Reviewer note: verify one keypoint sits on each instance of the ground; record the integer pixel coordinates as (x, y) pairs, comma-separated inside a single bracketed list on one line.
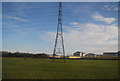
[(20, 68)]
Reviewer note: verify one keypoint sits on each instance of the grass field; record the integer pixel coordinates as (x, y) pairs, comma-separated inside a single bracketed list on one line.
[(19, 68)]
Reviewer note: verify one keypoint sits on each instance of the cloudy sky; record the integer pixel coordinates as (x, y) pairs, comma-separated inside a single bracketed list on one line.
[(87, 26)]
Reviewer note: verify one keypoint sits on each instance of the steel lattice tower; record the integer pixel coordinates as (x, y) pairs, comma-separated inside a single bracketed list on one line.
[(59, 43)]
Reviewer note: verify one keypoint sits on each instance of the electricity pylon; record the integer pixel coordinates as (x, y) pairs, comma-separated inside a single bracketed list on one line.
[(59, 43)]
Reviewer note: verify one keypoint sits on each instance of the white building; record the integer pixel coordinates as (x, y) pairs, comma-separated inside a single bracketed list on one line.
[(78, 53)]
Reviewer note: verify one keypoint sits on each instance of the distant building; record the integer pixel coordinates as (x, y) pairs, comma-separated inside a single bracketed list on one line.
[(99, 55), (57, 56), (110, 53), (90, 54), (78, 53), (118, 53)]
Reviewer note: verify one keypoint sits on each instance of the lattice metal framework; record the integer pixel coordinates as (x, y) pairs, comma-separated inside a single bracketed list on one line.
[(59, 42)]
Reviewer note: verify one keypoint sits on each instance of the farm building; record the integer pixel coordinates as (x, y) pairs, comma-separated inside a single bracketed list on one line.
[(118, 53), (99, 55), (110, 54), (57, 56), (90, 54), (78, 53), (51, 56)]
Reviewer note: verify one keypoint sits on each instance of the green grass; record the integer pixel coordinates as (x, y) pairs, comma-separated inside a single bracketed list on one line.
[(19, 68)]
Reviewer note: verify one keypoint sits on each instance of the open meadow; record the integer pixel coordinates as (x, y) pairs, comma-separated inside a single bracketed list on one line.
[(20, 68)]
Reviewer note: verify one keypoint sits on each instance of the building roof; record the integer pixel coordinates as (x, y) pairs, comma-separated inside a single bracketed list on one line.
[(109, 52), (79, 52)]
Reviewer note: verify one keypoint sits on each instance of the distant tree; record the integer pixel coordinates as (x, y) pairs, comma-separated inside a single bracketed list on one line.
[(23, 55)]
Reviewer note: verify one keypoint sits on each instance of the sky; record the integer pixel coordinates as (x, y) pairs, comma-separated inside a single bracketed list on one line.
[(60, 0), (90, 27), (0, 26)]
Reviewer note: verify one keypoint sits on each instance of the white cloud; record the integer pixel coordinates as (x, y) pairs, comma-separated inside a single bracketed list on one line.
[(16, 18), (74, 23), (89, 37), (116, 8), (110, 8), (99, 17), (106, 7), (14, 26)]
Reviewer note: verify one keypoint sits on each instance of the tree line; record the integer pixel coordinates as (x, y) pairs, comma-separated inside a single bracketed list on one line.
[(23, 55)]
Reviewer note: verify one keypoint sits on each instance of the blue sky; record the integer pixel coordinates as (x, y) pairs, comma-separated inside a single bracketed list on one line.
[(60, 0), (87, 26), (0, 26)]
